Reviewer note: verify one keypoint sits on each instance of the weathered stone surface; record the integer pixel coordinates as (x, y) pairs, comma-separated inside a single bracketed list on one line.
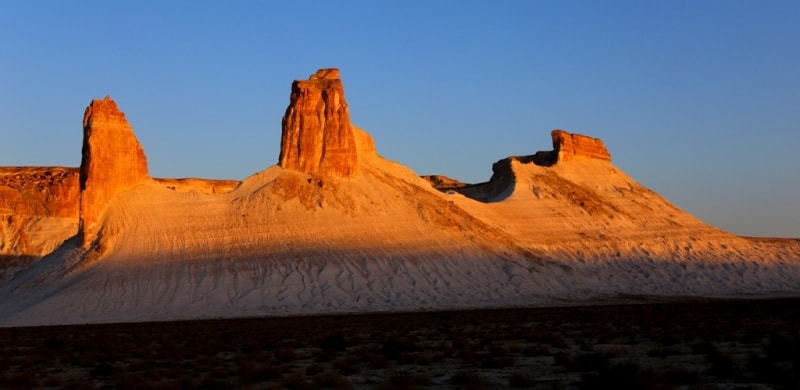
[(570, 146), (566, 147), (38, 209), (113, 162), (207, 186), (317, 136)]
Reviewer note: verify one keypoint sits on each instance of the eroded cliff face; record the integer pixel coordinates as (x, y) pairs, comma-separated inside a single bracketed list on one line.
[(569, 147), (566, 147), (317, 136), (113, 161), (38, 209)]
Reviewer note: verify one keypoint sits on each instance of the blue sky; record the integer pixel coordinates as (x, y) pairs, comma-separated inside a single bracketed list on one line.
[(698, 100)]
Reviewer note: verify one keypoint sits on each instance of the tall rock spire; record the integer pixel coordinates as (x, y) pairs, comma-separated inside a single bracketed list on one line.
[(317, 136), (113, 161)]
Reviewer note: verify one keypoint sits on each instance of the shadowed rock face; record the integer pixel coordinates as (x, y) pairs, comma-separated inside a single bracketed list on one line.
[(317, 136), (113, 161)]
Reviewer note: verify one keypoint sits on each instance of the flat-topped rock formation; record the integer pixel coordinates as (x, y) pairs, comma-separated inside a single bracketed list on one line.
[(113, 161), (569, 147), (566, 147), (317, 136)]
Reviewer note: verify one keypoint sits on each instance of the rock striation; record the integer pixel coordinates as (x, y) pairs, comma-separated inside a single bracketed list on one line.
[(570, 146), (113, 161), (38, 209), (317, 136), (566, 147)]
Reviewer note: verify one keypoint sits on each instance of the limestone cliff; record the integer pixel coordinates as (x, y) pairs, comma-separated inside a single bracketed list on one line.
[(113, 161), (38, 209), (566, 147), (317, 136), (570, 146)]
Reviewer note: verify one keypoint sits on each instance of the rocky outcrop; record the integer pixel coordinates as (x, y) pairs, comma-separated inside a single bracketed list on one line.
[(566, 147), (317, 136), (570, 146), (113, 161), (38, 209), (43, 191), (205, 186)]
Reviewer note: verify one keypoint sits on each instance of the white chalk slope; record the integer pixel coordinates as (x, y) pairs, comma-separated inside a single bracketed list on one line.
[(285, 243)]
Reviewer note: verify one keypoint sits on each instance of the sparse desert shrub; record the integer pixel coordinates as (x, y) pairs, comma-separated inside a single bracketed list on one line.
[(536, 350), (295, 380), (334, 342), (497, 362), (468, 380), (662, 352), (332, 380), (393, 348), (703, 348), (721, 365), (378, 362), (520, 380), (102, 369), (54, 343), (348, 366), (129, 381), (618, 376), (681, 376), (398, 380), (782, 349), (285, 355), (314, 369), (469, 357), (259, 372)]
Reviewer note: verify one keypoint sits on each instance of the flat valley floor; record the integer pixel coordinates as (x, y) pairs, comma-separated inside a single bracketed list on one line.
[(752, 343)]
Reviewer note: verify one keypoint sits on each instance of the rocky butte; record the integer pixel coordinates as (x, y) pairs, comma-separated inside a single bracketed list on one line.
[(113, 161), (316, 133)]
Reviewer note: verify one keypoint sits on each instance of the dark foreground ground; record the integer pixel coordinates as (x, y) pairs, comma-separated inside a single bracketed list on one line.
[(696, 344)]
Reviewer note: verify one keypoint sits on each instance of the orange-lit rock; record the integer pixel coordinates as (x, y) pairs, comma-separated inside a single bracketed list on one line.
[(38, 209), (113, 161), (317, 136), (570, 146)]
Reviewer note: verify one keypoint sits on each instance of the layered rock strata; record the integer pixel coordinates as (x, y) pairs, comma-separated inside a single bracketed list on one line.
[(566, 147), (113, 161), (38, 209), (317, 136), (571, 146)]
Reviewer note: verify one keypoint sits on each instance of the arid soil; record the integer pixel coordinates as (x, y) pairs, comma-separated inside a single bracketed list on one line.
[(729, 343)]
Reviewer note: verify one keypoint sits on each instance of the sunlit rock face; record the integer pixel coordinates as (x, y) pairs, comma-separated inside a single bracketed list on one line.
[(38, 209), (571, 146), (113, 161), (317, 136)]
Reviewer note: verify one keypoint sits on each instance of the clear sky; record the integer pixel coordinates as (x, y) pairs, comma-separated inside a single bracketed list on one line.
[(698, 100)]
